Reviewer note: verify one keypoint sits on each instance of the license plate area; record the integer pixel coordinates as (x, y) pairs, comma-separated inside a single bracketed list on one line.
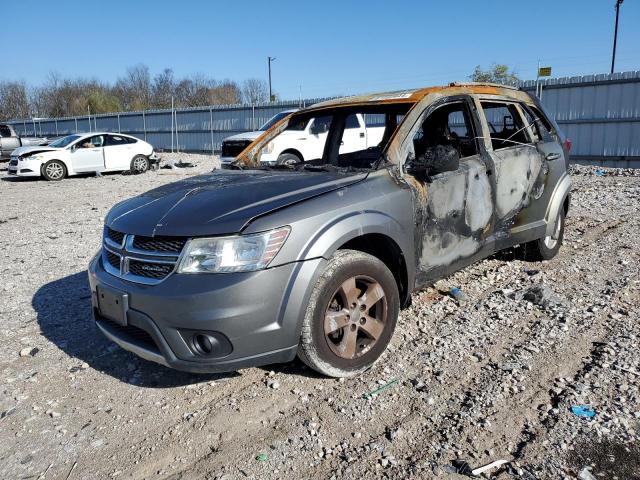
[(113, 304)]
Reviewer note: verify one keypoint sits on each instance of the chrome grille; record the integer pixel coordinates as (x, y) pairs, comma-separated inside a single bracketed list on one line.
[(160, 244), (117, 237), (140, 259), (151, 270)]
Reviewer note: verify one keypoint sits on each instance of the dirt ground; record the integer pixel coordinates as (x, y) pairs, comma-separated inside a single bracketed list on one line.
[(493, 378)]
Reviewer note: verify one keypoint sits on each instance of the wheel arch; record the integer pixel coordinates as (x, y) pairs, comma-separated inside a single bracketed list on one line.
[(560, 198), (374, 233), (293, 151)]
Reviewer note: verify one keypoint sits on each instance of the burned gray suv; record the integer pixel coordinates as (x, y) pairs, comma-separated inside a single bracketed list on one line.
[(257, 263)]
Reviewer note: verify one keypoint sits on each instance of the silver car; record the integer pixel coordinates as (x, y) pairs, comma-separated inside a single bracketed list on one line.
[(254, 265)]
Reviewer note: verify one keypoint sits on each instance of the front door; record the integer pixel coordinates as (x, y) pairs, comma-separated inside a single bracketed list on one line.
[(88, 155), (456, 224), (316, 137), (354, 137)]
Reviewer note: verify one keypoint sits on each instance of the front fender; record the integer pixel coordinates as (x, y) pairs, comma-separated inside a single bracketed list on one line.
[(560, 192), (335, 234)]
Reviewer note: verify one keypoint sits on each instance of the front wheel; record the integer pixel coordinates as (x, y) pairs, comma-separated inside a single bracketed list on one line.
[(139, 164), (351, 315), (288, 159), (54, 170)]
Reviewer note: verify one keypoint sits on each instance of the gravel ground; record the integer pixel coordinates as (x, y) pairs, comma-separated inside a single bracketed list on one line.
[(492, 378)]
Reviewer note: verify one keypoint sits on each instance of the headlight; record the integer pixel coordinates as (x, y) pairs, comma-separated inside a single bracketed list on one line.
[(32, 157), (242, 253), (268, 149)]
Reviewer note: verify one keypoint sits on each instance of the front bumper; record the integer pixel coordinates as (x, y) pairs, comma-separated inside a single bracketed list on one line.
[(255, 315), (25, 168)]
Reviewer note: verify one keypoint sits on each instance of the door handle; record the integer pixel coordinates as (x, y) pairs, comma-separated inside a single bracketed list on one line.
[(95, 149), (302, 138), (552, 156), (361, 134)]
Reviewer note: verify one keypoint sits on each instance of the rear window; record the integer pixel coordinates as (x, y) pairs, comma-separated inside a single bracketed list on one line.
[(116, 140), (5, 131), (544, 121), (505, 125)]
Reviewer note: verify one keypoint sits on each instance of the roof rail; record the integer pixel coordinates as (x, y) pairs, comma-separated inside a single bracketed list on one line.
[(482, 84)]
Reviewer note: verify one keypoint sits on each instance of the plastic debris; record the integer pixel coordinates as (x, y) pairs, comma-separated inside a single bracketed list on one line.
[(585, 474), (600, 173), (583, 411), (384, 387), (463, 468), (477, 471), (262, 457), (458, 294), (171, 164)]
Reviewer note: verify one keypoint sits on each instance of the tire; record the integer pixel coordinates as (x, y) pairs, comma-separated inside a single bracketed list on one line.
[(139, 164), (547, 247), (54, 170), (288, 159), (342, 335)]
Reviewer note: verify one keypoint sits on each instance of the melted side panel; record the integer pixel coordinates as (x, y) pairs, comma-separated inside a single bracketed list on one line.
[(517, 171), (459, 211)]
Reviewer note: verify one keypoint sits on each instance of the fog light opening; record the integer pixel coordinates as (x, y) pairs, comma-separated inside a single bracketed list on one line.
[(203, 344)]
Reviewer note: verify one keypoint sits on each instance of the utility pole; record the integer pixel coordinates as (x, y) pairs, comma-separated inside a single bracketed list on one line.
[(615, 35), (269, 60)]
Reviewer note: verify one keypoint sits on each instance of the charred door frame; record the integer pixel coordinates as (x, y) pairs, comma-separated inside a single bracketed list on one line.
[(421, 191), (528, 223)]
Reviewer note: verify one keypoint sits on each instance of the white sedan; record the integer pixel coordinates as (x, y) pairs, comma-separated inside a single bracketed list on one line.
[(82, 153)]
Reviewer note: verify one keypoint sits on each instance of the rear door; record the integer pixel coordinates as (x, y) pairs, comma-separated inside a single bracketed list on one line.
[(88, 154), (118, 152), (521, 170)]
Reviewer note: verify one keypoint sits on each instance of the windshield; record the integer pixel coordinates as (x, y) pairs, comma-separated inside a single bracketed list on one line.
[(273, 120), (64, 141), (342, 138)]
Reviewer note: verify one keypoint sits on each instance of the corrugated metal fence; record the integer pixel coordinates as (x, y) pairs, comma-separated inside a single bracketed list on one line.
[(197, 129), (600, 113)]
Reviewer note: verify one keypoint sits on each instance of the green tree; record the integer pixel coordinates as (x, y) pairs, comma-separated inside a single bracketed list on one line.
[(498, 73)]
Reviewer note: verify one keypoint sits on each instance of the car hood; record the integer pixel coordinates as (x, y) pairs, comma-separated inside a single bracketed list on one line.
[(24, 151), (245, 136), (222, 202)]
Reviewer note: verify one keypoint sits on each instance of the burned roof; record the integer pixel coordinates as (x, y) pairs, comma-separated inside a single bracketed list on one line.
[(415, 95)]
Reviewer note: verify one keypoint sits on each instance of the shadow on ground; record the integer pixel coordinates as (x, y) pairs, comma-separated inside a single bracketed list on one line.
[(63, 309)]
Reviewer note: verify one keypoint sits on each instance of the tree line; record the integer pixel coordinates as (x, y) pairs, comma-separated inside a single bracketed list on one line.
[(137, 89)]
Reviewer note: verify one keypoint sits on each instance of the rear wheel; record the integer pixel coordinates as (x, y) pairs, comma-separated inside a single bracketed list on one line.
[(288, 159), (139, 164), (54, 170), (351, 315), (547, 247)]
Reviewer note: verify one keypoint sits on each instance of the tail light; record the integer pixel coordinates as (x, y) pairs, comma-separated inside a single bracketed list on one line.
[(567, 144)]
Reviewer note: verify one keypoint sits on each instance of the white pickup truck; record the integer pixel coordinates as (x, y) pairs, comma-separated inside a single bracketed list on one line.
[(305, 140)]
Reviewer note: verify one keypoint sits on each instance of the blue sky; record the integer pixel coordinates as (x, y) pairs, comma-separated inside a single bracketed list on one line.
[(328, 47)]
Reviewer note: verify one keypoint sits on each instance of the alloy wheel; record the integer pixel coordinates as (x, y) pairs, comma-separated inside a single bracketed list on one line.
[(54, 171), (355, 317), (140, 164)]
